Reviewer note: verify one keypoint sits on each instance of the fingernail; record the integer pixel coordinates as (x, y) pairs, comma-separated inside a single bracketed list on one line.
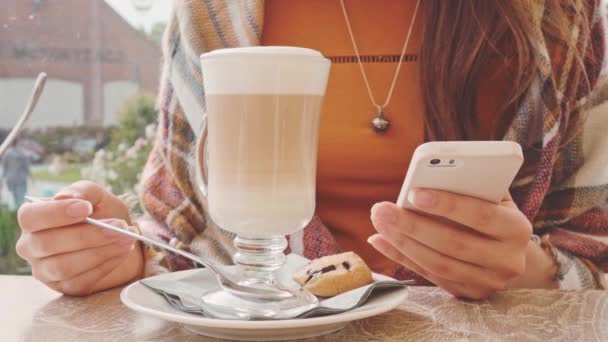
[(374, 242), (65, 195), (383, 215), (372, 238), (421, 198), (79, 209)]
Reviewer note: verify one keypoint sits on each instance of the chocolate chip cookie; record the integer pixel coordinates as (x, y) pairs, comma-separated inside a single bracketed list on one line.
[(334, 274)]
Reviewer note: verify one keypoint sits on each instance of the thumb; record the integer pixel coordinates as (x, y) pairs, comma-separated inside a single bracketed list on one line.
[(104, 203), (85, 190)]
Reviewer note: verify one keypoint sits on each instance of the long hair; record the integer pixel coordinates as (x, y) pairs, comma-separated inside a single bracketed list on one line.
[(460, 38)]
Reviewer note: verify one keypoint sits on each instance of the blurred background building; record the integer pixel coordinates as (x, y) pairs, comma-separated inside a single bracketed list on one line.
[(96, 118), (94, 58)]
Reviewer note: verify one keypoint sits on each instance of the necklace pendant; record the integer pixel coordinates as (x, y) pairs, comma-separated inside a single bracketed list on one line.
[(380, 124)]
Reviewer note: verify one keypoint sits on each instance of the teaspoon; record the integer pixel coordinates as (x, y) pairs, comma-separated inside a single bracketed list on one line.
[(228, 281)]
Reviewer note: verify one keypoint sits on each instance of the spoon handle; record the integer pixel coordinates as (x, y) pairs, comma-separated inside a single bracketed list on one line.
[(136, 236), (31, 105), (147, 240)]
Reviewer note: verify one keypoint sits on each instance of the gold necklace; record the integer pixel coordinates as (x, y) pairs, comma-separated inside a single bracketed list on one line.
[(379, 123)]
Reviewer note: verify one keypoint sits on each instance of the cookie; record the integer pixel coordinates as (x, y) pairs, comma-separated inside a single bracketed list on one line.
[(334, 274)]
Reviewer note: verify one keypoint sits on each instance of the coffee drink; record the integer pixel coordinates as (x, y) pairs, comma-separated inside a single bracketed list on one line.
[(262, 161), (263, 107)]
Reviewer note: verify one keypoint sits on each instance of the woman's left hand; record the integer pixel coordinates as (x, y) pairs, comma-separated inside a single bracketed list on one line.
[(470, 247)]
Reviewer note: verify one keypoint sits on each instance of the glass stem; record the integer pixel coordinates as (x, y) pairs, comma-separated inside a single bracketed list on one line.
[(260, 258)]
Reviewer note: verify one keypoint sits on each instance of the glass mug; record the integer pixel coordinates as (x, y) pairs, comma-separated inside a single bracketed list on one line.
[(257, 157)]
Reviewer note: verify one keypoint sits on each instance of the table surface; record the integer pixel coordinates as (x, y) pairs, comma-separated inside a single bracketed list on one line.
[(31, 312)]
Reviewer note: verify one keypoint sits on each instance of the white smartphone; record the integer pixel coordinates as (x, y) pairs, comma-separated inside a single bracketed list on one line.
[(481, 169)]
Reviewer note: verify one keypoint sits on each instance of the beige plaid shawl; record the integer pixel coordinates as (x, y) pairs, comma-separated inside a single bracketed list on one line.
[(562, 188)]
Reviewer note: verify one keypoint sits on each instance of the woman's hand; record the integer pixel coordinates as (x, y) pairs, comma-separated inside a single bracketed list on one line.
[(470, 247), (71, 256)]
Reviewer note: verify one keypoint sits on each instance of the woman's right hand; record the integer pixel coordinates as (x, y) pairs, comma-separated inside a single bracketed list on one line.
[(71, 256)]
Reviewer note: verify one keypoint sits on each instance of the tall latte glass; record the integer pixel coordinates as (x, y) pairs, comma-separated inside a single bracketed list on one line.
[(258, 156)]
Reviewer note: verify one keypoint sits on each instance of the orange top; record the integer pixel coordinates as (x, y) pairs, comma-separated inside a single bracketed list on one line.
[(358, 167)]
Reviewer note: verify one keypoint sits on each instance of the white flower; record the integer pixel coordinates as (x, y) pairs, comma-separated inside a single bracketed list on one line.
[(137, 187), (150, 132), (85, 172), (132, 152), (140, 143), (56, 166), (112, 175)]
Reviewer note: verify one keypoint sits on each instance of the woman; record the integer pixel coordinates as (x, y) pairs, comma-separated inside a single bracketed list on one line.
[(472, 70)]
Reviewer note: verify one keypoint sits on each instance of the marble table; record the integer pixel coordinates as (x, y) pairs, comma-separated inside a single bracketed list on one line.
[(31, 312)]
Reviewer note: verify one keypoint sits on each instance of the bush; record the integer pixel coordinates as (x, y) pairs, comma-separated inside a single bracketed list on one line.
[(10, 262), (137, 113), (124, 172), (119, 166), (62, 140)]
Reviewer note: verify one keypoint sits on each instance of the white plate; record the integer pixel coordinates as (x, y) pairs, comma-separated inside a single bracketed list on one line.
[(141, 299)]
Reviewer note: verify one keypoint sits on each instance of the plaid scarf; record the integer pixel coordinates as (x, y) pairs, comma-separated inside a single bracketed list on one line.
[(562, 187)]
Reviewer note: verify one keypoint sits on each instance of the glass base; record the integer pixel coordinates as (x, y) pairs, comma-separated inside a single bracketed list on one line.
[(258, 264), (223, 304)]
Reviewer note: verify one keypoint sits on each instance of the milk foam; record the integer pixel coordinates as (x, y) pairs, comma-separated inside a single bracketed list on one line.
[(265, 70)]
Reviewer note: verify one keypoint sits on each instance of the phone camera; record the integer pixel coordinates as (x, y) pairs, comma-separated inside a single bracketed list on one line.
[(435, 161)]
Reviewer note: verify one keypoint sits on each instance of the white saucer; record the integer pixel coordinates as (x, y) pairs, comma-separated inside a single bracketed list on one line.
[(141, 299)]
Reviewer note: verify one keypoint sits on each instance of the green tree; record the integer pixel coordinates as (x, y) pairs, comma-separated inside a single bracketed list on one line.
[(156, 32), (130, 145), (137, 113), (10, 263)]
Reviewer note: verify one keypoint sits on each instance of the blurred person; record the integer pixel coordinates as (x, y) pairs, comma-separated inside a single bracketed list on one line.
[(15, 167), (475, 70)]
